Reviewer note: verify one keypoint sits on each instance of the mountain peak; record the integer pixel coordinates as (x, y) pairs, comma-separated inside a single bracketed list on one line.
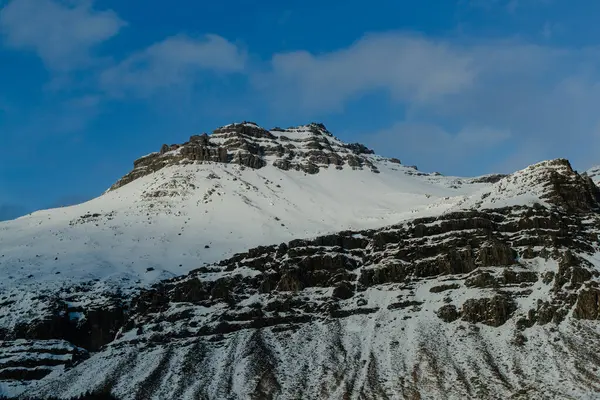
[(306, 148), (594, 174), (553, 183)]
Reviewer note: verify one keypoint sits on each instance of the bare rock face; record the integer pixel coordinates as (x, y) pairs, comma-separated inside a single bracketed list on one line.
[(494, 311), (88, 328), (493, 178), (572, 191), (588, 304), (448, 313), (306, 148), (31, 360)]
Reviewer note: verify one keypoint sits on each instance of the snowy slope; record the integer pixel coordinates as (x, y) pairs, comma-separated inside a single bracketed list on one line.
[(182, 216), (535, 184), (594, 173)]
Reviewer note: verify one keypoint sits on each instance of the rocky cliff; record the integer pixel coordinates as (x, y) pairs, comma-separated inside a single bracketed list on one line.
[(306, 148)]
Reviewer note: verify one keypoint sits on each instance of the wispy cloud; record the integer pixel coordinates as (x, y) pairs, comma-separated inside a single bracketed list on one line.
[(416, 71), (62, 33), (173, 62), (544, 96), (409, 67)]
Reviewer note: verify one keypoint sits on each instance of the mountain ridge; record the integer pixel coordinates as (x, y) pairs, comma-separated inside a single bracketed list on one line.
[(307, 148)]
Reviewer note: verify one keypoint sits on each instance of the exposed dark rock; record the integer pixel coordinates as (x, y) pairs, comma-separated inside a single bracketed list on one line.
[(289, 282), (479, 243), (358, 148), (569, 190), (482, 280), (588, 304), (404, 304), (508, 276), (496, 253), (551, 312), (443, 288), (343, 290), (26, 360), (489, 178), (512, 277), (448, 313), (247, 144), (97, 327), (494, 311)]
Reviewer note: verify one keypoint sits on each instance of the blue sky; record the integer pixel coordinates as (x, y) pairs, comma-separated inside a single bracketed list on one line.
[(462, 87)]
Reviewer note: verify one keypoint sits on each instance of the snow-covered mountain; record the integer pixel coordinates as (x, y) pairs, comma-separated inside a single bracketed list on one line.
[(420, 285), (217, 195), (594, 173)]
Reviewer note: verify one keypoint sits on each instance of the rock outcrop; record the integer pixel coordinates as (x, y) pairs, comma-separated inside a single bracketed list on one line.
[(26, 360), (304, 148)]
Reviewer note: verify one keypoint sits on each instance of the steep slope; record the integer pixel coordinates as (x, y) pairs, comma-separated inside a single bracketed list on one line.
[(497, 299)]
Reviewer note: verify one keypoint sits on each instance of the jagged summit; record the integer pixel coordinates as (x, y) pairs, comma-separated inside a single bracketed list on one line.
[(551, 183), (307, 148)]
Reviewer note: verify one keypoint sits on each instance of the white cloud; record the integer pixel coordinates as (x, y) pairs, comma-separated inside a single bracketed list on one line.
[(175, 61), (471, 92), (415, 71), (61, 33), (411, 68)]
